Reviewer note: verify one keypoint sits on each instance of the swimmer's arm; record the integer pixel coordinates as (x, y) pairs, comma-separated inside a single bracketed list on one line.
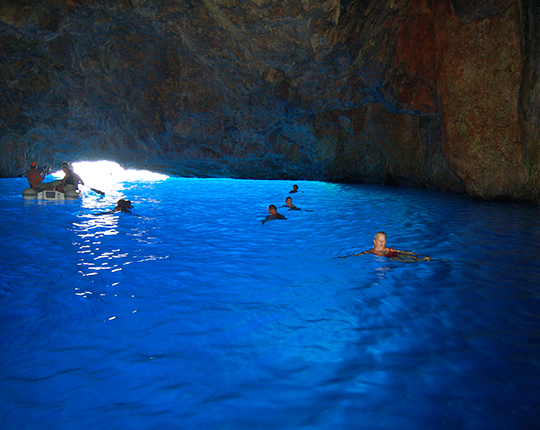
[(399, 251), (411, 254), (355, 255)]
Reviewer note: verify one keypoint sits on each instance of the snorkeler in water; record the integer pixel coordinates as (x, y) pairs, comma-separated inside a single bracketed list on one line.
[(121, 206), (272, 210), (380, 249)]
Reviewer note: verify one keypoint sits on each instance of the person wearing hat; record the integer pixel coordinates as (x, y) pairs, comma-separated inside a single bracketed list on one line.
[(35, 179), (71, 181)]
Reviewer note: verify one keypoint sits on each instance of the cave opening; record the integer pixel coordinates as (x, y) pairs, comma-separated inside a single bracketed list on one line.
[(105, 173)]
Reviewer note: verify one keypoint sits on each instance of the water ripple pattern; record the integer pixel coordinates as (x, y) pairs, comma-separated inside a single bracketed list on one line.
[(192, 314)]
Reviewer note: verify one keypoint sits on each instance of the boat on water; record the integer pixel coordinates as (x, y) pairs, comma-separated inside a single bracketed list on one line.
[(31, 194)]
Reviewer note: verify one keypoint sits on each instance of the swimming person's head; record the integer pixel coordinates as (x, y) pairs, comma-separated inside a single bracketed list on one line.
[(124, 204), (272, 209), (379, 241), (288, 201)]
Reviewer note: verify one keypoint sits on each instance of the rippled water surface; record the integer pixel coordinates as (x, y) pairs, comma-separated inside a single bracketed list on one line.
[(197, 316)]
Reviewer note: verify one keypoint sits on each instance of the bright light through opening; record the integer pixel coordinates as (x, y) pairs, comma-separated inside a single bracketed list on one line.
[(101, 173)]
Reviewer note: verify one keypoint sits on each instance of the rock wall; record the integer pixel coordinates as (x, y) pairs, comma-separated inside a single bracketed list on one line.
[(428, 93)]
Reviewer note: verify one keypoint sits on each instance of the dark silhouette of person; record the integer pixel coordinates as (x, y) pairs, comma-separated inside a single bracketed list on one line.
[(294, 189), (272, 210), (122, 205)]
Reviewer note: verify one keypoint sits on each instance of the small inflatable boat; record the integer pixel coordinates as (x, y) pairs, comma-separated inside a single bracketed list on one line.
[(30, 194)]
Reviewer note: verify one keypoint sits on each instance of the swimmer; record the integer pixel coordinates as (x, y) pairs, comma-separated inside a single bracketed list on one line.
[(121, 206), (289, 204), (272, 210), (380, 249), (294, 189)]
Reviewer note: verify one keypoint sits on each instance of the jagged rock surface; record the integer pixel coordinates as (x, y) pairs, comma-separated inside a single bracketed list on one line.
[(441, 94)]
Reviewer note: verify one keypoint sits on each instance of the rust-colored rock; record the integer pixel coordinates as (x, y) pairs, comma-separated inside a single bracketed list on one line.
[(479, 74)]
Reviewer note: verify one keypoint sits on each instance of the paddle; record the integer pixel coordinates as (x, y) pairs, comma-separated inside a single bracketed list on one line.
[(96, 191)]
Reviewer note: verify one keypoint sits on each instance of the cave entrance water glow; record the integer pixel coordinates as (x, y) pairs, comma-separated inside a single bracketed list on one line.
[(108, 173), (194, 315)]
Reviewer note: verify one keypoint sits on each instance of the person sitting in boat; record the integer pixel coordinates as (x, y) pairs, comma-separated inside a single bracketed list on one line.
[(35, 179), (289, 204), (272, 210), (294, 189), (380, 249), (71, 180)]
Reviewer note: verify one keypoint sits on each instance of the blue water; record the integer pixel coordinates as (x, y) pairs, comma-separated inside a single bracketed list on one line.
[(196, 316)]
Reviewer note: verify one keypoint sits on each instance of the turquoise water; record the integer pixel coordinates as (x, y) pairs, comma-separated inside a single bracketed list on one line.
[(196, 316)]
